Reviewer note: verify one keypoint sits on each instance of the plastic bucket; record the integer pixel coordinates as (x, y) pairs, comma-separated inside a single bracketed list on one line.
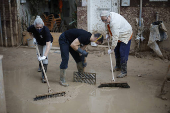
[(30, 42)]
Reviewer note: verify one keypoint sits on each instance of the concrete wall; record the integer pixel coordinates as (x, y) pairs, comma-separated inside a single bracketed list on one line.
[(131, 12), (149, 10), (2, 90), (44, 7), (24, 11), (88, 12), (82, 17)]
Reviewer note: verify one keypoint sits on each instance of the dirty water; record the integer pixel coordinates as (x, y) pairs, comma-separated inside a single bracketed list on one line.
[(22, 83)]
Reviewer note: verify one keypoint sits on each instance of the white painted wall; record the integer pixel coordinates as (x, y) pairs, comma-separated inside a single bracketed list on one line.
[(94, 8)]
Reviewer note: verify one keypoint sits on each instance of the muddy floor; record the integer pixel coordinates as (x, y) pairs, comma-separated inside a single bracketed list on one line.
[(22, 82)]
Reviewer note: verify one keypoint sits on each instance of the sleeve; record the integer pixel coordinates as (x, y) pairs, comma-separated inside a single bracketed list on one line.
[(115, 29), (30, 29), (47, 34)]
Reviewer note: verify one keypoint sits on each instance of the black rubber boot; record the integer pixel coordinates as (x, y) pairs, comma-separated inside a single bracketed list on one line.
[(80, 67), (43, 77), (117, 67), (123, 70), (39, 69)]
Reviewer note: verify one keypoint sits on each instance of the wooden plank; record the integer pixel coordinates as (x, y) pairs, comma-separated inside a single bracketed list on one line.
[(10, 16), (4, 17), (1, 31), (52, 48), (102, 46), (16, 24)]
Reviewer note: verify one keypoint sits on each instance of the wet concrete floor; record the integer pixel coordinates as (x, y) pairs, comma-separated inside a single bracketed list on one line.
[(22, 83)]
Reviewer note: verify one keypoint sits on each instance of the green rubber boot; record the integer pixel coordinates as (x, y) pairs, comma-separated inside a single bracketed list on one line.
[(80, 67), (62, 78)]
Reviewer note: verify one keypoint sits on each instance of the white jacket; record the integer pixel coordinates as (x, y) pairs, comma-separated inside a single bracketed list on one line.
[(120, 28)]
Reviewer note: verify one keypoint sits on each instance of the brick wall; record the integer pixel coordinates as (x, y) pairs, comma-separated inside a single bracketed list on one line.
[(82, 18), (149, 10)]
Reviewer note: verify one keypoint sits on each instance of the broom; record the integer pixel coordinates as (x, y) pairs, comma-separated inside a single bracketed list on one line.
[(113, 83), (50, 93)]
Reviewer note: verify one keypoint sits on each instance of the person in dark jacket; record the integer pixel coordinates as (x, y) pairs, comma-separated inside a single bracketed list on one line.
[(42, 37), (70, 41)]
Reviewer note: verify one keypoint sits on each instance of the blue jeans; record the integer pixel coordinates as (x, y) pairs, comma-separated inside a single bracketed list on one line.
[(122, 51), (65, 49)]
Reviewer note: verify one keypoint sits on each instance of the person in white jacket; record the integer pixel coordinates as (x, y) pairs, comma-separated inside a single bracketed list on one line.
[(120, 32)]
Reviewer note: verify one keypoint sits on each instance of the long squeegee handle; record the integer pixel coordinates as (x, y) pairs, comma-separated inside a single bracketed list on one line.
[(111, 63), (49, 90)]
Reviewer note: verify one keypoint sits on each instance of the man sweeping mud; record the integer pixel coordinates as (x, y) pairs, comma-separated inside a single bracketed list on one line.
[(121, 33), (41, 36), (70, 41)]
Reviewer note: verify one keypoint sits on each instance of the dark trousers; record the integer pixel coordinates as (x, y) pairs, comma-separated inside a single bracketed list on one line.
[(65, 49), (122, 51)]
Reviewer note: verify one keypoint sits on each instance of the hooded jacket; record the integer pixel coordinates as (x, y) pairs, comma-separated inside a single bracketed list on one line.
[(120, 29)]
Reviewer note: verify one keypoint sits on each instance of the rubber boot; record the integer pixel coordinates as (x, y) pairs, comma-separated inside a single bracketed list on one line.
[(123, 70), (43, 77), (39, 69), (62, 78), (117, 67), (80, 67)]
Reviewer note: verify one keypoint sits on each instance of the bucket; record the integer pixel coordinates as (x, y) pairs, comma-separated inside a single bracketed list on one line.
[(30, 43)]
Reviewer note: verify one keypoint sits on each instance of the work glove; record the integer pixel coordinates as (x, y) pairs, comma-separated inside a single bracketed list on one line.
[(34, 41), (83, 52), (110, 51), (83, 61), (107, 37), (42, 58)]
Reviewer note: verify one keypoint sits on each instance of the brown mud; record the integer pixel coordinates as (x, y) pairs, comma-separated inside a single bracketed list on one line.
[(22, 82)]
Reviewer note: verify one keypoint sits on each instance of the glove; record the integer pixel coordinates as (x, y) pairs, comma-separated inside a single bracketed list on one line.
[(42, 58), (34, 41), (110, 51), (83, 52), (107, 37)]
